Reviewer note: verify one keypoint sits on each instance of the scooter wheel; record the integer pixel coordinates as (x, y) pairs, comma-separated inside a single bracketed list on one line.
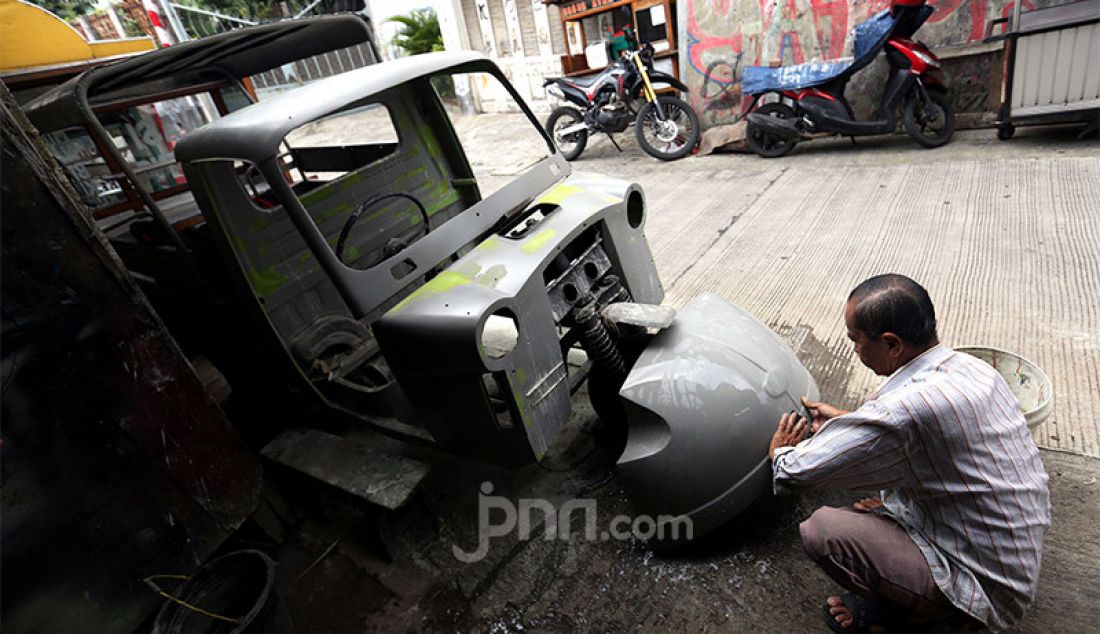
[(1005, 132), (930, 128), (764, 143), (570, 145)]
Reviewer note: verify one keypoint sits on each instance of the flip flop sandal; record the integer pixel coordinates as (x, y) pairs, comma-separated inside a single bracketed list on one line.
[(865, 613)]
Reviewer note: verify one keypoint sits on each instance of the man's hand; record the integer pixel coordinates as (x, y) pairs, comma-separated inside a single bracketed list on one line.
[(821, 412), (791, 431)]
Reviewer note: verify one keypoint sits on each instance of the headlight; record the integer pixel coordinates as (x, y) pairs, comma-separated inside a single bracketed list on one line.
[(934, 63)]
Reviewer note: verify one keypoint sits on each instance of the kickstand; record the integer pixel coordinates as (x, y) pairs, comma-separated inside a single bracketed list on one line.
[(853, 140), (612, 139)]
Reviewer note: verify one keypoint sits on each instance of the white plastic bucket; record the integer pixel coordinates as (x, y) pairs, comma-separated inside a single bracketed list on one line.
[(1027, 381)]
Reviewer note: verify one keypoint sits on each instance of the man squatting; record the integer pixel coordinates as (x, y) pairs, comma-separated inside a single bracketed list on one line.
[(956, 534)]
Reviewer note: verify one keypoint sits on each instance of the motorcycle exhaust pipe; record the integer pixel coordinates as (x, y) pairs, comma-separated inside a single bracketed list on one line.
[(573, 129), (784, 128)]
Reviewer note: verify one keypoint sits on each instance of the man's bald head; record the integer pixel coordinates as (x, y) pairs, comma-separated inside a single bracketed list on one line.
[(894, 303)]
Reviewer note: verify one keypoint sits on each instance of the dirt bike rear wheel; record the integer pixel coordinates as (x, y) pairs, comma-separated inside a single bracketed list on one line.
[(570, 145)]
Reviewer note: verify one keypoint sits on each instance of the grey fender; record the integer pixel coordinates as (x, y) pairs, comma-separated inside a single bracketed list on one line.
[(702, 403)]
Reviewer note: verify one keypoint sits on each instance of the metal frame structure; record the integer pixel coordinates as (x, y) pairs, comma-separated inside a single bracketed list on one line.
[(1070, 59), (193, 67)]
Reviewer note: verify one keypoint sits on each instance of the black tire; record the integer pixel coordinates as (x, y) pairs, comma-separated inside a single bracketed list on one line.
[(603, 393), (1005, 132), (764, 143), (676, 143), (574, 144), (929, 129)]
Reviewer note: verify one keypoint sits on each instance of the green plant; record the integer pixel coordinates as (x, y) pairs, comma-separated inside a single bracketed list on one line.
[(420, 33), (130, 28), (67, 9)]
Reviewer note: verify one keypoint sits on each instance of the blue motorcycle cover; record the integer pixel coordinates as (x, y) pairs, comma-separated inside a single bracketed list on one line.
[(869, 37)]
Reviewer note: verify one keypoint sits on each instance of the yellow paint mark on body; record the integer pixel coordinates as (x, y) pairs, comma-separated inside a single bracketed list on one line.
[(521, 408), (558, 193), (492, 243), (441, 283), (538, 241), (266, 281)]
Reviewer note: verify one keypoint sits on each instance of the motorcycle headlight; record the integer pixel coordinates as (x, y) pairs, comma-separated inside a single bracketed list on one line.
[(927, 59)]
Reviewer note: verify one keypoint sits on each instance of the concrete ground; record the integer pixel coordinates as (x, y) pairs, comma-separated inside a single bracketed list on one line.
[(1004, 235)]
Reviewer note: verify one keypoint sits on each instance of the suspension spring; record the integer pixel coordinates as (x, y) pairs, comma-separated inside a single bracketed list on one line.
[(597, 340)]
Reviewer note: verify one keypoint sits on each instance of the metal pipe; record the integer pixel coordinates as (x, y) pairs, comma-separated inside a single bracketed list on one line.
[(212, 14), (307, 9), (109, 145)]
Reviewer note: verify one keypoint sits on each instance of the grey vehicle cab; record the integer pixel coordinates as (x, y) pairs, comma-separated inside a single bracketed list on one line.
[(404, 296), (400, 294), (337, 248)]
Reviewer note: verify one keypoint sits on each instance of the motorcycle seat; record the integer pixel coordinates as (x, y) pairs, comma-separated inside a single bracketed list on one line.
[(582, 82), (870, 36)]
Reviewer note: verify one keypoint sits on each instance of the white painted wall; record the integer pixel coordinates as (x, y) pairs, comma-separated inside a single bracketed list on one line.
[(526, 69)]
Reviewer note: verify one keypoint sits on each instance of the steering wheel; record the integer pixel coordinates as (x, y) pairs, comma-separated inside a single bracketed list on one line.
[(367, 205)]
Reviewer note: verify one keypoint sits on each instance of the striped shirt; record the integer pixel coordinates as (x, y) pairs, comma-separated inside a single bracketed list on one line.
[(946, 441)]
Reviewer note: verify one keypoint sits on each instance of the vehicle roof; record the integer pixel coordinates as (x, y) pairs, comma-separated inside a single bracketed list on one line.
[(255, 132), (235, 54)]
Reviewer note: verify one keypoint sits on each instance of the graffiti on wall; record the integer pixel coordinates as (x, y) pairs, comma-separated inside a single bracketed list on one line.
[(721, 37)]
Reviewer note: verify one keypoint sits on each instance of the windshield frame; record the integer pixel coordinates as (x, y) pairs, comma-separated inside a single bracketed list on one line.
[(365, 290)]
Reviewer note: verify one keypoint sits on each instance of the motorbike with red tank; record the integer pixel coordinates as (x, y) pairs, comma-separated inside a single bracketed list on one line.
[(623, 94), (811, 96)]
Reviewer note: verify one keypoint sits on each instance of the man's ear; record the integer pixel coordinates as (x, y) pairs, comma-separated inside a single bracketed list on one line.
[(894, 344)]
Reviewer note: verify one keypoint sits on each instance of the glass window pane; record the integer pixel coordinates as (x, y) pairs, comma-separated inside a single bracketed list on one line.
[(146, 136), (86, 168)]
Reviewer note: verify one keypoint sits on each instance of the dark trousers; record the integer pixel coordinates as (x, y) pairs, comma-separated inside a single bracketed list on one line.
[(872, 556)]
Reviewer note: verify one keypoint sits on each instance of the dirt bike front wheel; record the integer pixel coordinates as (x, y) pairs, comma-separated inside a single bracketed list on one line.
[(670, 138)]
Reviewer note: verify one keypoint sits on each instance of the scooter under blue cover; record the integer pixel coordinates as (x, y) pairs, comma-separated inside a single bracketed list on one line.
[(702, 403), (870, 35)]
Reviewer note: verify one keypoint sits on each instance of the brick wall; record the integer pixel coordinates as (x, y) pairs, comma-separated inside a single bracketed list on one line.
[(134, 10), (103, 26)]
